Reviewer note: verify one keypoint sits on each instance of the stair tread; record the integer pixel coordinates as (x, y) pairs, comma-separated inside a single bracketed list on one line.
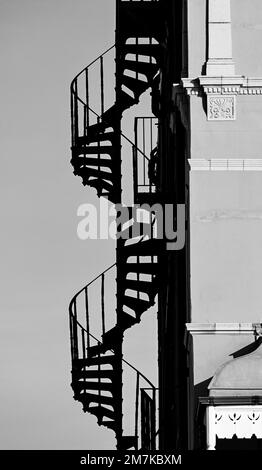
[(100, 137), (129, 441), (141, 286), (137, 86), (101, 411), (114, 113), (99, 184), (94, 374), (146, 68), (87, 172), (94, 149), (79, 161), (109, 359), (138, 305), (112, 336), (126, 320), (110, 424), (90, 397), (135, 230), (153, 50), (143, 268), (150, 247), (87, 385)]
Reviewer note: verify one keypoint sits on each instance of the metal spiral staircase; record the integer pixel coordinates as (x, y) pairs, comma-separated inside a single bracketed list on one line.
[(97, 363)]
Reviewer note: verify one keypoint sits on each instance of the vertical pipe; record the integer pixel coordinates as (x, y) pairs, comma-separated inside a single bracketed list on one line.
[(135, 185)]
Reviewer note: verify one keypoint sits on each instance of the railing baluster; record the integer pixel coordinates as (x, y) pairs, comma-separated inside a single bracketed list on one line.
[(135, 186), (103, 302), (83, 343), (102, 84), (99, 384), (75, 331), (72, 106), (151, 148), (98, 152), (71, 326), (137, 403), (87, 317), (87, 96), (153, 421), (76, 110)]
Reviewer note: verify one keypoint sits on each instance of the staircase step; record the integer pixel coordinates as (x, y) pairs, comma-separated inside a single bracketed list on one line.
[(110, 424), (86, 385), (112, 337), (98, 349), (150, 50), (101, 411), (94, 150), (143, 268), (127, 442), (87, 398), (113, 114), (127, 321), (99, 137), (135, 230), (140, 286), (99, 185), (135, 85), (138, 305), (77, 162), (95, 172), (147, 69), (94, 361), (94, 374), (150, 247)]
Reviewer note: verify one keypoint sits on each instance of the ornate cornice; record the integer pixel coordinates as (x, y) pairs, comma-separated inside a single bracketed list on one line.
[(233, 85)]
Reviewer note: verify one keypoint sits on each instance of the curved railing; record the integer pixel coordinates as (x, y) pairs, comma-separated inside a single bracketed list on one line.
[(82, 113), (82, 339)]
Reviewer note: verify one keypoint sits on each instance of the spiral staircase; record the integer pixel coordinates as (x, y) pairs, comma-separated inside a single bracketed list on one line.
[(97, 363)]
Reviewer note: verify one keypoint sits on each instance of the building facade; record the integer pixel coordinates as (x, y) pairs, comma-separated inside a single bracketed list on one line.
[(196, 60)]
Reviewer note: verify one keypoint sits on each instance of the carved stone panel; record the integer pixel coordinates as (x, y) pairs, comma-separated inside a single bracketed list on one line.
[(221, 108)]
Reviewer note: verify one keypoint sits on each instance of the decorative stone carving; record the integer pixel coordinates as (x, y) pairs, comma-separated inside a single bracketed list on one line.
[(221, 108), (242, 421)]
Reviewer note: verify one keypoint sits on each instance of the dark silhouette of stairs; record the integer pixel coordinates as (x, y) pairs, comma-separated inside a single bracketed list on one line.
[(96, 147), (96, 158), (97, 364)]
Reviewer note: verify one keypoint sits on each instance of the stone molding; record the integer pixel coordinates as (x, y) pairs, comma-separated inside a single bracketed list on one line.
[(225, 164)]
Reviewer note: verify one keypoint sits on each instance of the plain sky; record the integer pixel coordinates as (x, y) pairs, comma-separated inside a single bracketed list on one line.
[(44, 43)]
